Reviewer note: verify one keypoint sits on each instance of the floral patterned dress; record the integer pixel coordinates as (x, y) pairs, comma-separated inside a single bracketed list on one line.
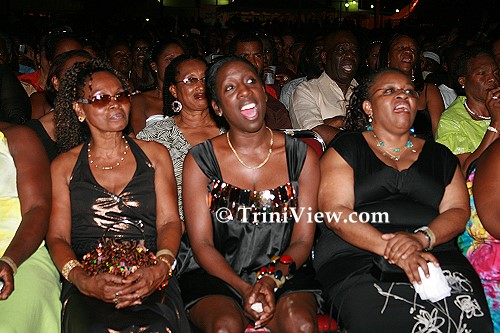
[(483, 252)]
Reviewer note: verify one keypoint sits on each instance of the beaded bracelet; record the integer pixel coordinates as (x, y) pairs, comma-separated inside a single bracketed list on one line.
[(492, 129), (68, 267), (11, 264)]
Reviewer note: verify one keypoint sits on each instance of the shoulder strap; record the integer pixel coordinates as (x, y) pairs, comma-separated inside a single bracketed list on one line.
[(204, 156), (296, 152)]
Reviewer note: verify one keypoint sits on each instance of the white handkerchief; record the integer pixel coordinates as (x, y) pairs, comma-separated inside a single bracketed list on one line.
[(434, 288)]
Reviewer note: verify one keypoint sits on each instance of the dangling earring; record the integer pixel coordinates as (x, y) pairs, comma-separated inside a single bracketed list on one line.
[(369, 127), (81, 119), (412, 75), (176, 106)]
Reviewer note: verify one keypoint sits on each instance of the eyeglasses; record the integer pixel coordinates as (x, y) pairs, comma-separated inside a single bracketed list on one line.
[(103, 100), (392, 91), (191, 81)]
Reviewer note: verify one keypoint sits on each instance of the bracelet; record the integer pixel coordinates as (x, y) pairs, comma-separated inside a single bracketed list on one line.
[(170, 269), (11, 264), (492, 129), (167, 252), (68, 267), (429, 234)]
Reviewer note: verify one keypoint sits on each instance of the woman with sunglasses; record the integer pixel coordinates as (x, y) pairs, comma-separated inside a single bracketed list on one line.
[(240, 192), (402, 52), (148, 106), (404, 201), (189, 121), (106, 183)]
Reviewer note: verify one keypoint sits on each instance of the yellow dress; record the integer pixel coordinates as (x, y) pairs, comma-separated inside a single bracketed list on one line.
[(34, 305)]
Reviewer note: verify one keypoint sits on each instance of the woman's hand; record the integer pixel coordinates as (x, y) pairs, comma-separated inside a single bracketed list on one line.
[(7, 276), (401, 245), (103, 286), (415, 260), (141, 284), (493, 103), (261, 292)]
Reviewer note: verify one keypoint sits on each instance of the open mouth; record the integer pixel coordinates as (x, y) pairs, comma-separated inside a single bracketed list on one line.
[(199, 96), (348, 68), (402, 108), (249, 111)]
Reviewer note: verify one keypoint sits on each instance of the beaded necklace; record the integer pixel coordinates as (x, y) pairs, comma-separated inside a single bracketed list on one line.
[(112, 166), (474, 113), (387, 151)]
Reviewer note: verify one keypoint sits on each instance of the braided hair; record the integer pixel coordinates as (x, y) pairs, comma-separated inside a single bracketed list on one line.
[(69, 131)]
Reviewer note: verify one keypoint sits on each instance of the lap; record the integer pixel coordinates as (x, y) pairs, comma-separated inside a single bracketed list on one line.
[(34, 306)]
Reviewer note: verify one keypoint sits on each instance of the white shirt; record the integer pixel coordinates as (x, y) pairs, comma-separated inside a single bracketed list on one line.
[(449, 95), (318, 99)]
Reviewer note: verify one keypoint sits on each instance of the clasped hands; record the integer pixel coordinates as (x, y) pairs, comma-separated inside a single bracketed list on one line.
[(7, 276), (123, 291), (261, 292), (405, 250)]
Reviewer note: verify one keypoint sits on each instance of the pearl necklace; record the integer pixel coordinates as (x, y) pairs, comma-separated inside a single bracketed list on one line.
[(263, 162), (385, 150), (474, 113), (112, 166)]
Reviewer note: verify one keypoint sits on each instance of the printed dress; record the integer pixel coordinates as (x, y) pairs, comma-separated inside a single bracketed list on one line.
[(483, 252)]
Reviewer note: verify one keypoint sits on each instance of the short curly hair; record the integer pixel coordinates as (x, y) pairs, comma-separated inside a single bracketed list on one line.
[(356, 119), (69, 131)]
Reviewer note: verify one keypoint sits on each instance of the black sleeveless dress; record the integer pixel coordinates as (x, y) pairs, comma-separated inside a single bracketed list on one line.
[(94, 211), (248, 243), (411, 197)]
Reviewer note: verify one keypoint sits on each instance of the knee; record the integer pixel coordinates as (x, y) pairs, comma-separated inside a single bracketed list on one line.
[(299, 322), (227, 324)]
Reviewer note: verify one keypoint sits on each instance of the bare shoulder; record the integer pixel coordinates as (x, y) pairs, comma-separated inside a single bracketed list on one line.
[(65, 162), (154, 151)]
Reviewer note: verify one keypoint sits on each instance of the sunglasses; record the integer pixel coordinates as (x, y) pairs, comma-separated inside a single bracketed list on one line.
[(191, 81), (103, 100)]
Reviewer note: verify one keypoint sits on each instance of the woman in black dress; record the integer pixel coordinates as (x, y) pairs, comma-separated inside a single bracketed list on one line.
[(240, 189), (417, 192), (103, 183)]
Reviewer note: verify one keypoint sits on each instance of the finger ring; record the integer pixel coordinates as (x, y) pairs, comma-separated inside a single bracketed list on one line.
[(115, 300), (138, 296), (119, 293), (495, 97)]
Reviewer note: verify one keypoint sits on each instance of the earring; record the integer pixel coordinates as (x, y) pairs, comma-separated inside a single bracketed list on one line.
[(176, 106), (463, 86), (369, 127), (81, 119), (412, 75)]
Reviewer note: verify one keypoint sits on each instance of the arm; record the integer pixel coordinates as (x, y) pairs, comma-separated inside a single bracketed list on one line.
[(14, 102), (336, 195), (485, 189), (435, 105), (33, 186)]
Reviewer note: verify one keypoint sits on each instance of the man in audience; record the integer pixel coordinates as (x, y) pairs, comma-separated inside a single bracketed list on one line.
[(320, 104), (249, 46)]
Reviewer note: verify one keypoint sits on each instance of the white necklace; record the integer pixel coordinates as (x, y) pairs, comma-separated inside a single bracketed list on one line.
[(111, 166), (474, 113)]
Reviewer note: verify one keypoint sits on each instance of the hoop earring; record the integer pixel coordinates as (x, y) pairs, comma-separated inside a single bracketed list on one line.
[(176, 106)]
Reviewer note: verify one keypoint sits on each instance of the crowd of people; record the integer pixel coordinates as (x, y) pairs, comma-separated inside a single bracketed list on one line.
[(174, 148)]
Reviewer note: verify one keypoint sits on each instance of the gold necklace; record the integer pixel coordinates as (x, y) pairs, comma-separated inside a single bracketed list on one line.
[(113, 166), (263, 162)]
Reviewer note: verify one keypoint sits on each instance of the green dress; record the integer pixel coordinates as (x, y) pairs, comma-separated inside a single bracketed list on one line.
[(34, 305)]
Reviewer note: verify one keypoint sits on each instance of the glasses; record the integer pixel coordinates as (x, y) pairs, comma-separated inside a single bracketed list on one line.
[(103, 100), (393, 91), (191, 81)]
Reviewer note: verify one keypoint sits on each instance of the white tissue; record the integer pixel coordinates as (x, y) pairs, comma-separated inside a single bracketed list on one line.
[(257, 307), (434, 288)]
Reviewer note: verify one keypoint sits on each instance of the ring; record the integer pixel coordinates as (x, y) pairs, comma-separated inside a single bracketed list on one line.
[(138, 296), (115, 300), (495, 97)]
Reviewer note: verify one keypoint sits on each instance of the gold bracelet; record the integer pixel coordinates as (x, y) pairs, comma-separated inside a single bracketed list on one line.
[(11, 264), (166, 252), (170, 271), (68, 267)]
